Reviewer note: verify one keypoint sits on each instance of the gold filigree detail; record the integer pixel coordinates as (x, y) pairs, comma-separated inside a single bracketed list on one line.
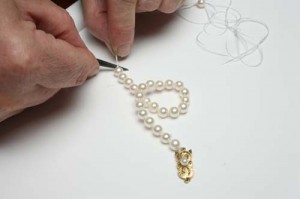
[(184, 164)]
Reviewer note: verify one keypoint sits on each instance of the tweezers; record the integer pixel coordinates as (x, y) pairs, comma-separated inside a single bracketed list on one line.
[(109, 65)]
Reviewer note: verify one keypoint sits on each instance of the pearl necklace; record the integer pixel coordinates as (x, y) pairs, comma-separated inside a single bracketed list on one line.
[(144, 106)]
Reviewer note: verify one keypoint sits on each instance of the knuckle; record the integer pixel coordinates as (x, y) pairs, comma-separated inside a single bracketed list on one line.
[(66, 19), (19, 57)]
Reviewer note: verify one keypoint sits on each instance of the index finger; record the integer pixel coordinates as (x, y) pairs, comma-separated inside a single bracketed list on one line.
[(121, 24)]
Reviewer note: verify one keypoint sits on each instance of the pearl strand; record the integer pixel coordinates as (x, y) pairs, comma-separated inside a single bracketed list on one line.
[(145, 106)]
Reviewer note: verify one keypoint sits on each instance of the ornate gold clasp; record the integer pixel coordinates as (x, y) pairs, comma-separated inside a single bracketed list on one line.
[(184, 164)]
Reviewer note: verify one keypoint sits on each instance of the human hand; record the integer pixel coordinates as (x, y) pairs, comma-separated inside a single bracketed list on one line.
[(41, 52), (113, 21)]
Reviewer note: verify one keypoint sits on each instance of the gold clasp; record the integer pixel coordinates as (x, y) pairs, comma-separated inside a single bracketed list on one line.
[(184, 164)]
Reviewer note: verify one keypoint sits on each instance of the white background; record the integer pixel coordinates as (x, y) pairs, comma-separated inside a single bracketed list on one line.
[(243, 124)]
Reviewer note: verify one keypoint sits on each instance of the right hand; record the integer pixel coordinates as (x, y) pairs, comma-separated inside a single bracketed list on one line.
[(113, 21), (41, 52)]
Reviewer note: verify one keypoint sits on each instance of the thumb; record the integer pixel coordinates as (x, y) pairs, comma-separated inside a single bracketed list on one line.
[(52, 19), (64, 59), (63, 65)]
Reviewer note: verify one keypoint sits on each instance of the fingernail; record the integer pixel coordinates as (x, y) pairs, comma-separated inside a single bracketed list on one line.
[(124, 50)]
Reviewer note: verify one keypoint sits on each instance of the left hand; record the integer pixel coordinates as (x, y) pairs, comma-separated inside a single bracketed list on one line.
[(113, 21)]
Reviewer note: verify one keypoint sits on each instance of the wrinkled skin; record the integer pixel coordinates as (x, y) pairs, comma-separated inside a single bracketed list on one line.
[(42, 52), (113, 21)]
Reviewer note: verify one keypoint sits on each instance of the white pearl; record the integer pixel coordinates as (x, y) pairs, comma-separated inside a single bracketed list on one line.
[(184, 161), (174, 112), (139, 96), (178, 85), (128, 82), (165, 138), (159, 86), (149, 122), (143, 87), (184, 92), (185, 100), (153, 107), (169, 85), (151, 85), (163, 112), (142, 114), (157, 130), (174, 145), (200, 4), (133, 88), (118, 71), (147, 102), (183, 108), (122, 77), (139, 105)]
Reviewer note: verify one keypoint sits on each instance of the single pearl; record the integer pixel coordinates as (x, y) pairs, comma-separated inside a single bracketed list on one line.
[(157, 130), (159, 86), (142, 114), (128, 82), (139, 96), (133, 88), (118, 71), (151, 85), (153, 107), (174, 145), (169, 84), (147, 102), (183, 108), (184, 161), (139, 105), (143, 87), (184, 92), (122, 77), (185, 100), (201, 4), (174, 112), (163, 112), (149, 122), (165, 138), (178, 85)]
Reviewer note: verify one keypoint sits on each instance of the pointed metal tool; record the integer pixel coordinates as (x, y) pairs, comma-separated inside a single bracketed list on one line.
[(109, 65)]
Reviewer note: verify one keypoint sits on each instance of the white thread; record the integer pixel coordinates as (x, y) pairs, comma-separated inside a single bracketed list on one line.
[(117, 61), (223, 20)]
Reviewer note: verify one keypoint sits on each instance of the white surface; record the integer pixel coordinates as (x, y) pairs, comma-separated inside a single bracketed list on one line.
[(243, 124), (76, 13)]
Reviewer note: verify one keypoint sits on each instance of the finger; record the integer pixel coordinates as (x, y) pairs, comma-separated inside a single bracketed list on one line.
[(121, 24), (170, 6), (54, 20), (5, 115), (95, 17), (148, 6), (65, 60), (62, 65), (36, 96)]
